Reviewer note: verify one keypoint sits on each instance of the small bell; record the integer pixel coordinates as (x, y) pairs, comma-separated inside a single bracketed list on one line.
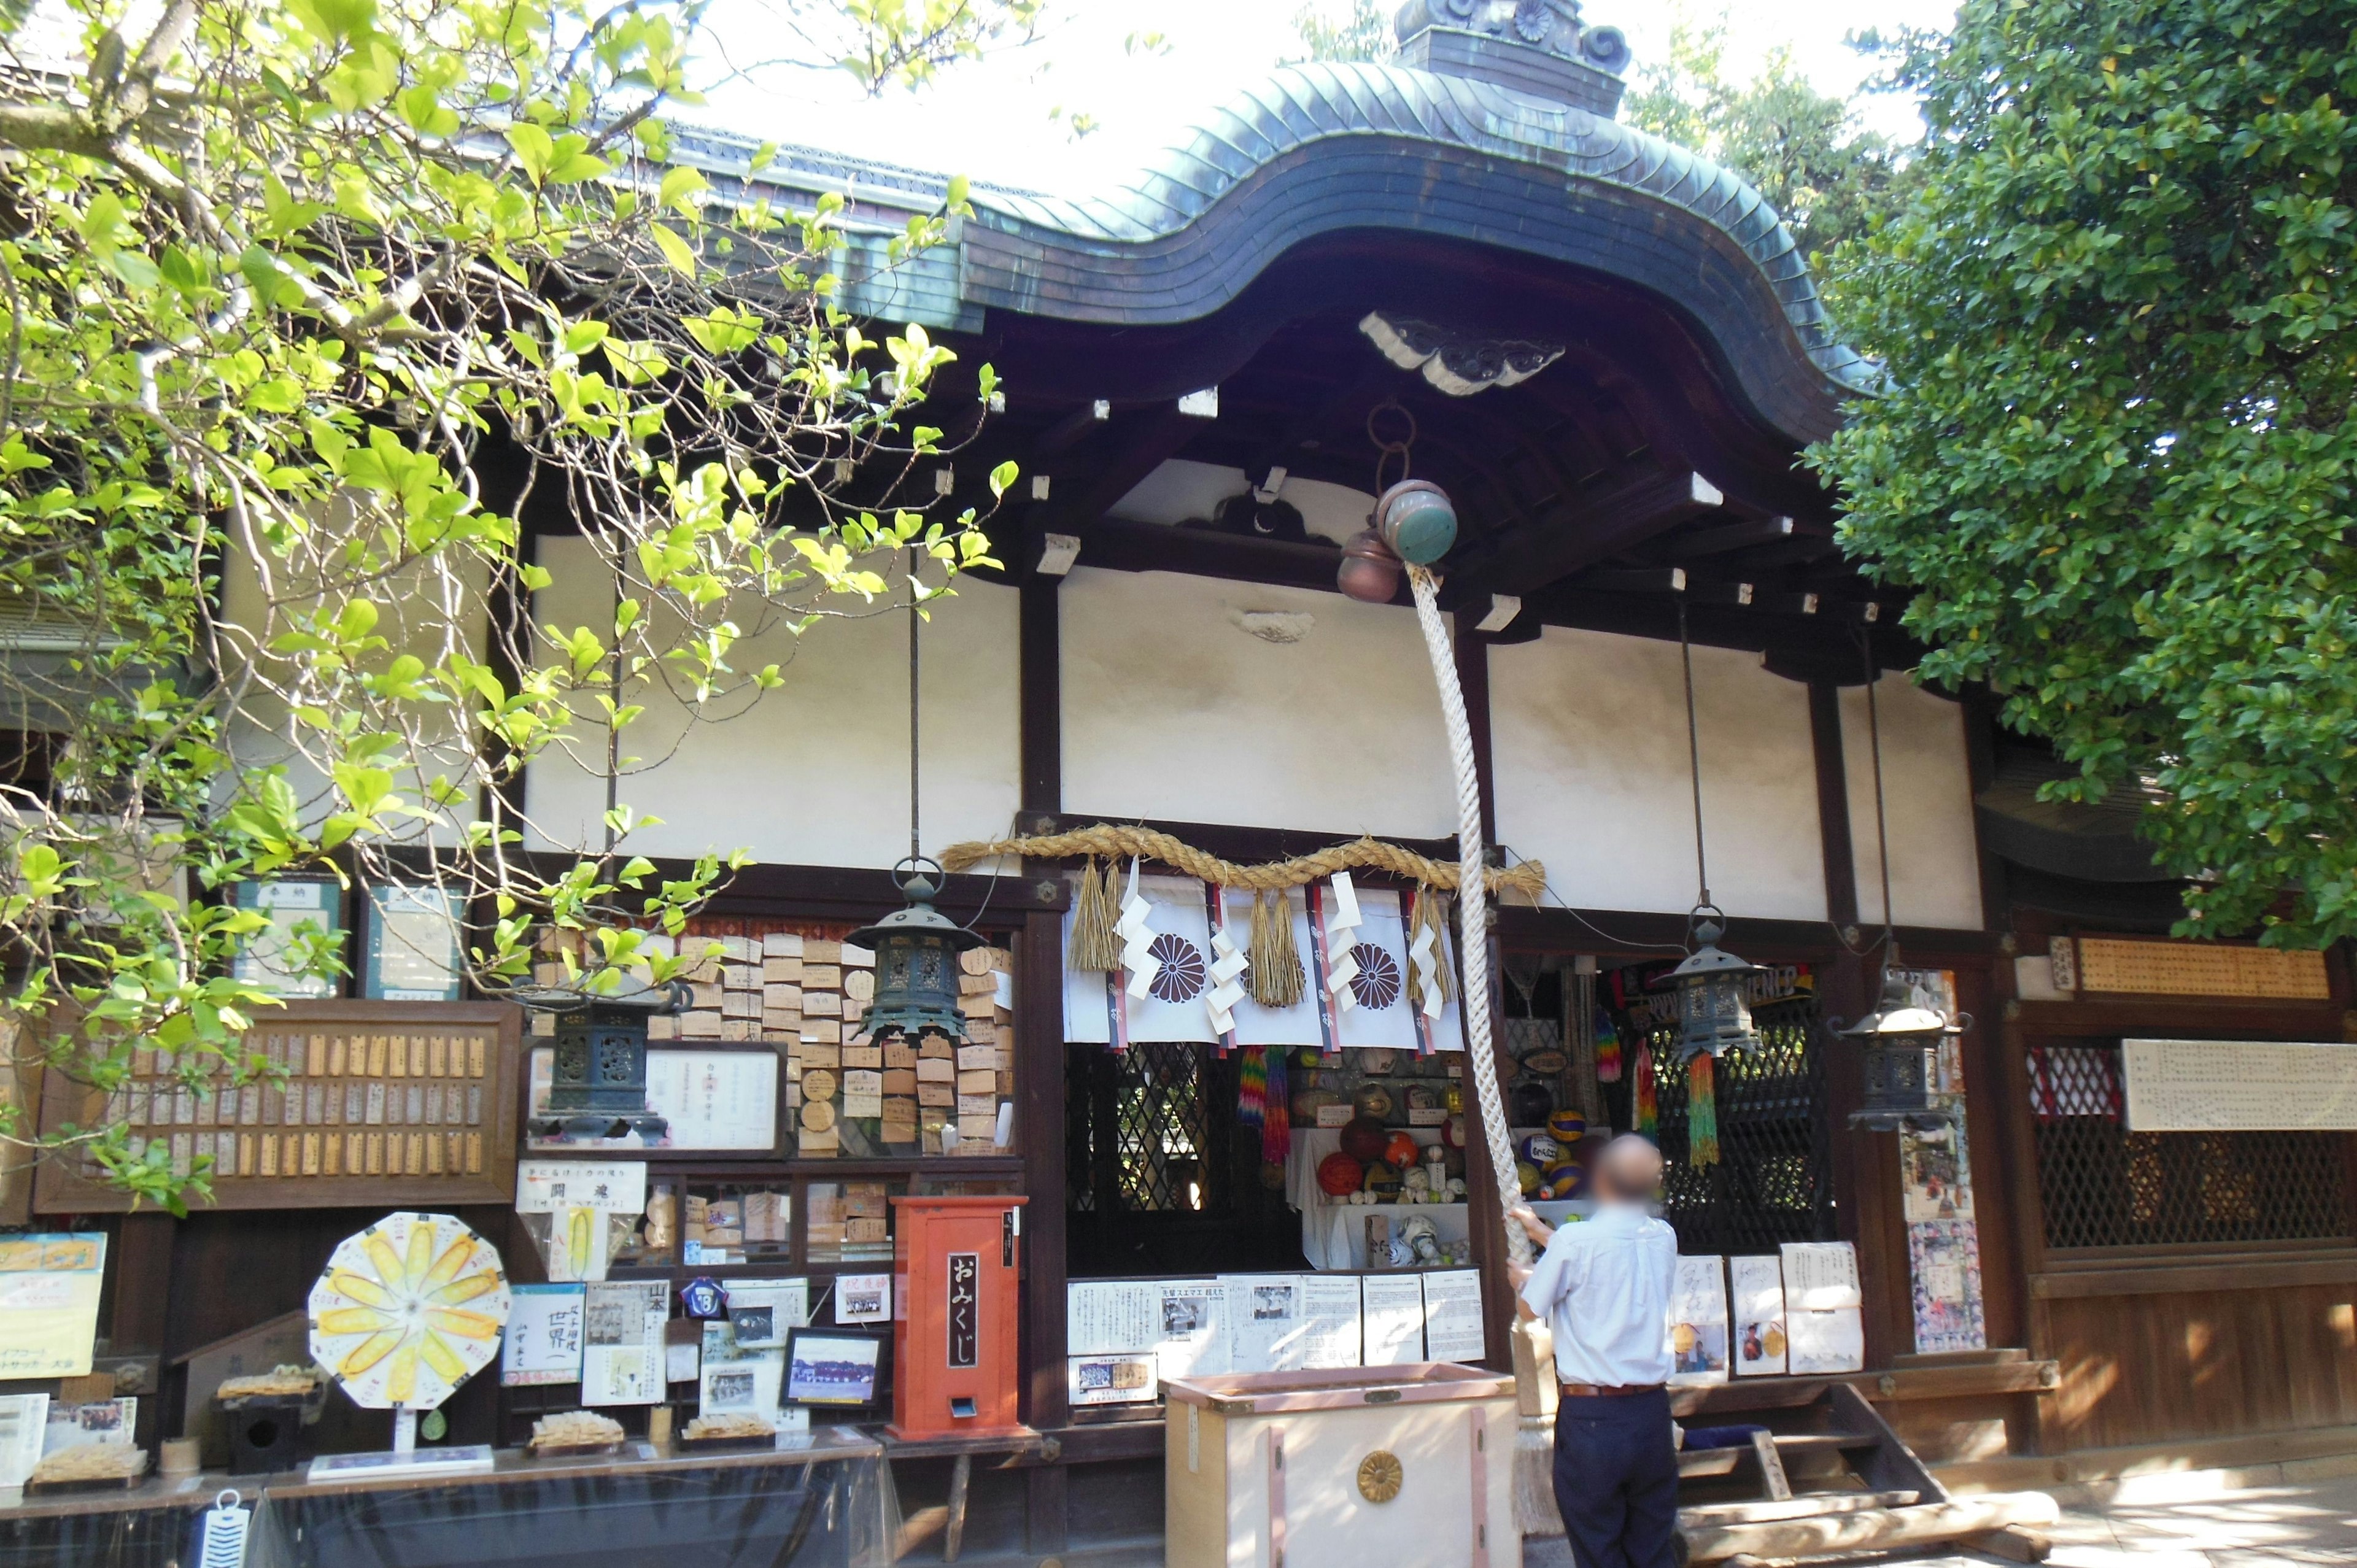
[(1370, 572)]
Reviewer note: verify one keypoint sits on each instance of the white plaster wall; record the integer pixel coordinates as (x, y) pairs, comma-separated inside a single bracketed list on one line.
[(1183, 488), (1588, 733), (1927, 782), (1172, 710), (815, 773)]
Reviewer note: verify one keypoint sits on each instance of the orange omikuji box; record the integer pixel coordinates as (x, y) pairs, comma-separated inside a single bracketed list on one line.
[(954, 1309)]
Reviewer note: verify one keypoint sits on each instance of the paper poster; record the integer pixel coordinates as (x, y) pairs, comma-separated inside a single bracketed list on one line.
[(543, 1337), (1453, 1328), (863, 1298), (609, 1186), (98, 1422), (760, 1312), (49, 1303), (1330, 1311), (1193, 1328), (1935, 1184), (623, 1341), (1101, 1317), (1125, 1377), (1820, 1276), (414, 944), (1759, 1302), (24, 1425), (1697, 1323), (1945, 1264), (1265, 1326), (1822, 1342), (733, 1380), (1391, 1310)]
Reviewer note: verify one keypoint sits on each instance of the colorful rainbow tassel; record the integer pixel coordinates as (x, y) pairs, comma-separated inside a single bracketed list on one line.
[(1277, 1116), (1702, 1111), (1608, 1048), (1251, 1086), (1649, 1109)]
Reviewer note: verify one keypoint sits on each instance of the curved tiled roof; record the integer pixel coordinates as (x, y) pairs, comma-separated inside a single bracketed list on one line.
[(1316, 148)]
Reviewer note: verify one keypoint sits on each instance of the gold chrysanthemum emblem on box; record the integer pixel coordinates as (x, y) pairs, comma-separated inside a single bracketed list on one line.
[(1379, 1476)]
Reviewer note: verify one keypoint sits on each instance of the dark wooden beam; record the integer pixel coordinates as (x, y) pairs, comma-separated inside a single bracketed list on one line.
[(1040, 1139), (1733, 536), (1040, 694), (1593, 528), (1473, 678)]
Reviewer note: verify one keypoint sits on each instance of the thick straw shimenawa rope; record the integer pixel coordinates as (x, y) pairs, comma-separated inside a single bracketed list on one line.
[(1534, 1462), (1528, 878)]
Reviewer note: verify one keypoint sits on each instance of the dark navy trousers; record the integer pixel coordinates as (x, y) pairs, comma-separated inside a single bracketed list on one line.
[(1616, 1480)]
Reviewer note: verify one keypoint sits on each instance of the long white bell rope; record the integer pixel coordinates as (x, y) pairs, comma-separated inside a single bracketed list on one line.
[(1472, 904)]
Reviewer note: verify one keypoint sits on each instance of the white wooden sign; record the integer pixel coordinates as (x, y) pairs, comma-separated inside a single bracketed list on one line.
[(2239, 1085)]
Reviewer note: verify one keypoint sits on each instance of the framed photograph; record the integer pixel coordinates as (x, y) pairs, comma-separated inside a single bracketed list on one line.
[(717, 1097), (300, 910), (833, 1366), (413, 945)]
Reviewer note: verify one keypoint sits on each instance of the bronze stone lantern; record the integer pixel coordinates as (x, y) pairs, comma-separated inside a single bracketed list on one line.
[(1713, 990), (1899, 1044), (916, 950), (599, 1082)]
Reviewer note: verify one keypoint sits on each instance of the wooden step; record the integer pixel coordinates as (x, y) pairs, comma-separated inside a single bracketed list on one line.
[(1806, 1505), (1726, 1461), (1868, 1529)]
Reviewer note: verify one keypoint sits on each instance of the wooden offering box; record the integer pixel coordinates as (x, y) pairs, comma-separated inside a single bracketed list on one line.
[(1341, 1469)]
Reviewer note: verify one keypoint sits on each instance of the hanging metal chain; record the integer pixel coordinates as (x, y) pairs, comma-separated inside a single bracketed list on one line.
[(915, 849), (1693, 762), (1881, 815)]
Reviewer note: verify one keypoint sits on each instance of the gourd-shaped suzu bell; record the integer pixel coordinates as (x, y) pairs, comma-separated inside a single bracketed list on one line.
[(1369, 571), (1417, 521), (916, 950)]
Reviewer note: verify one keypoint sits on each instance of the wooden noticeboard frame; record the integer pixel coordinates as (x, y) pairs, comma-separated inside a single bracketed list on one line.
[(348, 1099)]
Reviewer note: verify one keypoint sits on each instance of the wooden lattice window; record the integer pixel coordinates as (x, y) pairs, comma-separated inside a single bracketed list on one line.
[(2100, 1185), (1773, 1180), (1139, 1129)]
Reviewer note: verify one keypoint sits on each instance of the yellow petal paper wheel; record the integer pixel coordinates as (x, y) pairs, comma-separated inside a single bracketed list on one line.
[(407, 1310)]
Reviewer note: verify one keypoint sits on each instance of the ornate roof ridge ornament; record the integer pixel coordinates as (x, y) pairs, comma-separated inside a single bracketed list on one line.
[(1457, 360), (1539, 47)]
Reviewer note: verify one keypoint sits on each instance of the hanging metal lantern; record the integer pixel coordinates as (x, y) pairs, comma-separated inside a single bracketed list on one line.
[(598, 1083), (1899, 1042), (1713, 996), (916, 950)]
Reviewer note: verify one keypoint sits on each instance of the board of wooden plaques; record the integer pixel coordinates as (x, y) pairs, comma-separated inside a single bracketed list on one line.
[(372, 1103)]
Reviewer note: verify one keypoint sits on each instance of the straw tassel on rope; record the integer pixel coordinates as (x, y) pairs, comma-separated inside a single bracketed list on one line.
[(1096, 946), (1277, 976)]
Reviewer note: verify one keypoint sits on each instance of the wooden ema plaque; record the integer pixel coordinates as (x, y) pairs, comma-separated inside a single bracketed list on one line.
[(2125, 967), (377, 1103)]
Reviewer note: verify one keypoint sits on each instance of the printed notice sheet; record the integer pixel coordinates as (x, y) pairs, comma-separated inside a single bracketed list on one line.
[(49, 1303), (1329, 1310), (1192, 1327), (623, 1341), (1453, 1330), (1266, 1328), (1391, 1310), (1101, 1317)]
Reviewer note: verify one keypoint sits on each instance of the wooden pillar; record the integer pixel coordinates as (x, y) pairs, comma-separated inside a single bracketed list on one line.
[(1473, 676), (142, 1316), (1039, 1134), (1484, 1218), (1040, 663)]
